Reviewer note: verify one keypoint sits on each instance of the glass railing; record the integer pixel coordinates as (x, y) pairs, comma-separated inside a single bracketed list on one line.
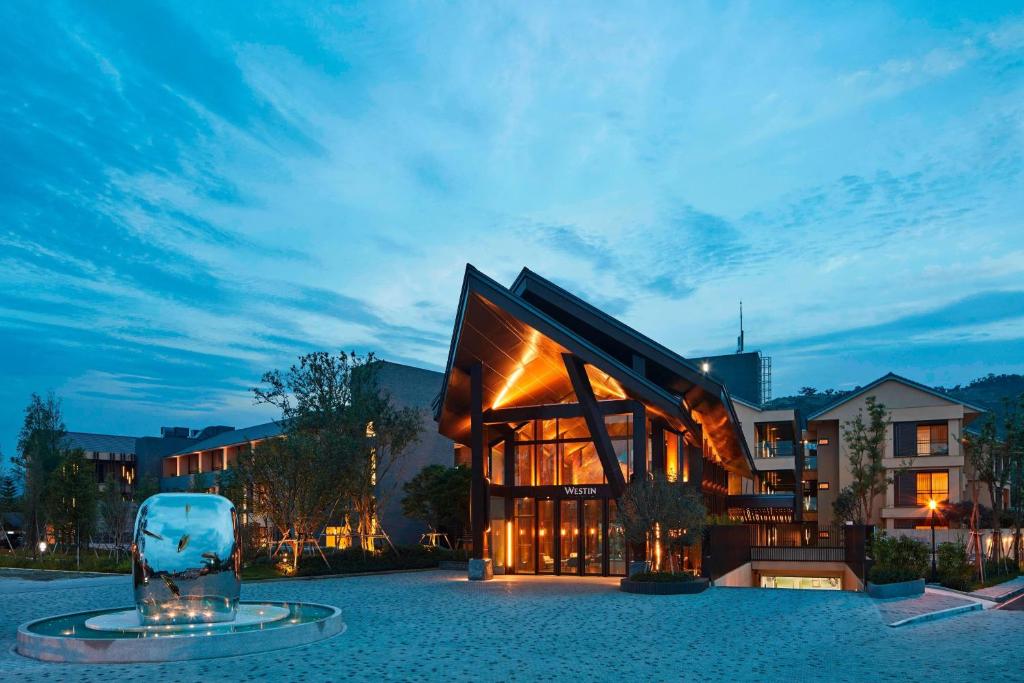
[(811, 462), (926, 448), (810, 503), (774, 449)]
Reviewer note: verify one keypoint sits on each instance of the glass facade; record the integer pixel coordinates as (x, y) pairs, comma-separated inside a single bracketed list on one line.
[(560, 452), (523, 535), (616, 541), (551, 529), (593, 522), (545, 536), (569, 536)]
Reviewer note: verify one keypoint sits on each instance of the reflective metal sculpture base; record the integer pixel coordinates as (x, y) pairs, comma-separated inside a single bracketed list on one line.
[(186, 569), (186, 559)]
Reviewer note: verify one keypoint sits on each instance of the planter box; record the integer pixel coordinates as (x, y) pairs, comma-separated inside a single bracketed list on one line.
[(480, 570), (903, 589), (697, 585)]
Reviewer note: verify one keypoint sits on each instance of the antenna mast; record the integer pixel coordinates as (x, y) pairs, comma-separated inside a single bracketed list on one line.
[(739, 339)]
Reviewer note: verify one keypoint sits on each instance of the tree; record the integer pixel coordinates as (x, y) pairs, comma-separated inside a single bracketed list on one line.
[(71, 499), (845, 507), (807, 391), (40, 450), (996, 463), (439, 496), (662, 513), (145, 486), (342, 435), (865, 443), (115, 512), (8, 503)]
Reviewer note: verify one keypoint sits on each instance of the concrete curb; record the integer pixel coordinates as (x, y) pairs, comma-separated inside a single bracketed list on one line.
[(940, 614)]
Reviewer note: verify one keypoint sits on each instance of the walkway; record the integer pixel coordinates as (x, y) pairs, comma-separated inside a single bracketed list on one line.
[(437, 626)]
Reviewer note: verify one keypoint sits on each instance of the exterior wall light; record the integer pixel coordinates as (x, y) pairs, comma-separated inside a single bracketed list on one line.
[(42, 546)]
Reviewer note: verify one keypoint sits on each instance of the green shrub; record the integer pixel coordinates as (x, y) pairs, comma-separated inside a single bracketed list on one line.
[(355, 561), (880, 574), (898, 558), (954, 569), (66, 562), (662, 577), (997, 572)]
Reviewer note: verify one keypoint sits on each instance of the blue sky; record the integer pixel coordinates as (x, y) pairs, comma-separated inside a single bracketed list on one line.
[(193, 193)]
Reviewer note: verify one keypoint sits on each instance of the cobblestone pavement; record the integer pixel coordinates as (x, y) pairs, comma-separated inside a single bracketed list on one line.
[(438, 626)]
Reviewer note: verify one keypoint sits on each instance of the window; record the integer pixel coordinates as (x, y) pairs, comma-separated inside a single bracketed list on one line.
[(496, 468), (920, 439), (774, 439), (823, 486), (932, 439), (915, 489), (932, 486), (560, 452)]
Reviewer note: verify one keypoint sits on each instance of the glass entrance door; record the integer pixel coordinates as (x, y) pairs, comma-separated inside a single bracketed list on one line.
[(569, 536), (593, 522)]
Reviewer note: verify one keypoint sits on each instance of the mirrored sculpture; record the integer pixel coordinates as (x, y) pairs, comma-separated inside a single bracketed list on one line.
[(186, 559)]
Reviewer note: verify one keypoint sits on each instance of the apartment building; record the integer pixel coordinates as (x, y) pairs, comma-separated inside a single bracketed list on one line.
[(200, 464), (924, 456)]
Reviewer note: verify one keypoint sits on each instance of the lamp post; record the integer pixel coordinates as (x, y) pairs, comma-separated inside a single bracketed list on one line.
[(932, 507)]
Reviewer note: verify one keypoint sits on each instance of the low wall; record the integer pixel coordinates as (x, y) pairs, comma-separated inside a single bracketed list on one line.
[(740, 577)]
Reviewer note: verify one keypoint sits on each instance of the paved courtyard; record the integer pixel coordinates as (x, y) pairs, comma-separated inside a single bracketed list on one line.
[(435, 625)]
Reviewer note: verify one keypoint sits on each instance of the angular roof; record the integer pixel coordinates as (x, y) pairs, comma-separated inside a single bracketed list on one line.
[(891, 376), (509, 331), (698, 391), (235, 437), (100, 443)]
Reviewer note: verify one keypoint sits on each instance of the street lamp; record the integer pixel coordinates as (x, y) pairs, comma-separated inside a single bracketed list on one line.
[(932, 507)]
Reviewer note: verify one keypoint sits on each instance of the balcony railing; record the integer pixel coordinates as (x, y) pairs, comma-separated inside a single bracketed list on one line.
[(811, 462), (926, 448), (774, 449), (802, 554)]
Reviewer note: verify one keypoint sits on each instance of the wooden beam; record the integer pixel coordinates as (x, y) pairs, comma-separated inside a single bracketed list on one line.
[(478, 485), (550, 411), (595, 422)]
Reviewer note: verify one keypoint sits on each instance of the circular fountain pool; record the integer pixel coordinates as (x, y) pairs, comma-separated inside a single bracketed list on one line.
[(114, 635)]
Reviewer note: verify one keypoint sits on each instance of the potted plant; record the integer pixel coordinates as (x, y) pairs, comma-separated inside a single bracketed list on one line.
[(664, 516), (899, 568)]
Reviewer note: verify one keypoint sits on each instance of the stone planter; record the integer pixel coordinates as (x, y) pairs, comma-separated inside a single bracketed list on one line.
[(903, 589), (639, 567), (480, 570), (697, 585)]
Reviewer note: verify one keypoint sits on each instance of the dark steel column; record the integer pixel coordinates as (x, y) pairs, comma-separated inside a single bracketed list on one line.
[(595, 422), (640, 442), (478, 488), (658, 446)]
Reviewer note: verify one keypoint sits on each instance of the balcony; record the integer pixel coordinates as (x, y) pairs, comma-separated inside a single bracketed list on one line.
[(774, 449), (931, 448), (810, 463)]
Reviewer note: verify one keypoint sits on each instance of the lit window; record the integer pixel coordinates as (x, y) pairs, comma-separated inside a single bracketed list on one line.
[(932, 486), (823, 486)]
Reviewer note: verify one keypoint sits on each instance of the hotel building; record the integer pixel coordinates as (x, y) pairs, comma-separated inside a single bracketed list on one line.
[(559, 406), (556, 406)]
